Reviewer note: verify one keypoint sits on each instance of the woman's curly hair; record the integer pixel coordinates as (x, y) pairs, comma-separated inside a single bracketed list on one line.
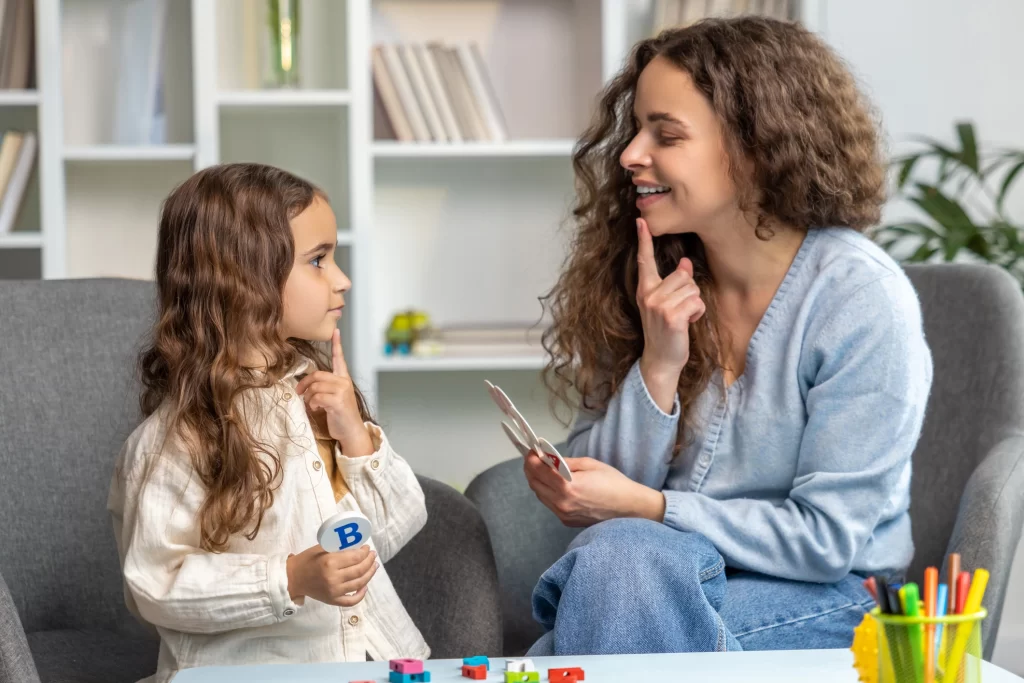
[(789, 109)]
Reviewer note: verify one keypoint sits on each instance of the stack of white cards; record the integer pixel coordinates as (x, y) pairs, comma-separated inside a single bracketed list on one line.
[(523, 437)]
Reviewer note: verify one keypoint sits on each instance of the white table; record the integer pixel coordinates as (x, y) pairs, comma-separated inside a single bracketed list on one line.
[(793, 666)]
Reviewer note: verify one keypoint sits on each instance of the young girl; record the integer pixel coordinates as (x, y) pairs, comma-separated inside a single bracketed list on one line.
[(252, 438), (753, 370)]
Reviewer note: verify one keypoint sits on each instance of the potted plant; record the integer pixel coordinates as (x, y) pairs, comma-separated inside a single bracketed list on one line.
[(962, 199)]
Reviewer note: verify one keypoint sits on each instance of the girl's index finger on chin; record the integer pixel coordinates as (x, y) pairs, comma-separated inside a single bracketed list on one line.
[(338, 365)]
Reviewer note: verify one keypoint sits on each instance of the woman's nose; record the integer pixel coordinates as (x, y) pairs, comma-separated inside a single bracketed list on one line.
[(636, 156)]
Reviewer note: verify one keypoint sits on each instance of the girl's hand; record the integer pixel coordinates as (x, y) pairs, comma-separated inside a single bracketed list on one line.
[(598, 492), (333, 578), (667, 307), (333, 393)]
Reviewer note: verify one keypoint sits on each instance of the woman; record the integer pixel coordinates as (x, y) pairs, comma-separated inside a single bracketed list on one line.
[(752, 370)]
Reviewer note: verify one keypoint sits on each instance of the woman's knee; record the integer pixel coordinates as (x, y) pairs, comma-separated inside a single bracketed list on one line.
[(660, 588), (630, 548)]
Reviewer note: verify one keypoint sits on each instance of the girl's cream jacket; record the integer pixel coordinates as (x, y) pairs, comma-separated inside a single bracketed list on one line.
[(233, 607)]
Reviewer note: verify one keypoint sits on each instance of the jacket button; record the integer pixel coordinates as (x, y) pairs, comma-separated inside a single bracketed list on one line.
[(375, 464), (317, 465), (354, 620), (287, 397), (288, 612)]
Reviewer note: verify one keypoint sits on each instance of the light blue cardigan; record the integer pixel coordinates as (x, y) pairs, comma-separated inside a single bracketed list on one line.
[(801, 470)]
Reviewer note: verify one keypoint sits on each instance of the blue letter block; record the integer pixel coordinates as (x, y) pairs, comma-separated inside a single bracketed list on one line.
[(477, 661)]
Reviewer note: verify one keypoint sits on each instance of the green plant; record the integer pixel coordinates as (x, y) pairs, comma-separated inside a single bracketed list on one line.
[(963, 204)]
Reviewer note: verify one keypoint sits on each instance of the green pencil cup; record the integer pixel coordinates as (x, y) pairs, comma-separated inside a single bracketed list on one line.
[(929, 649)]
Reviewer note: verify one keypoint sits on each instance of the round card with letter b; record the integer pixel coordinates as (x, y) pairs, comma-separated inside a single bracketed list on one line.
[(344, 531)]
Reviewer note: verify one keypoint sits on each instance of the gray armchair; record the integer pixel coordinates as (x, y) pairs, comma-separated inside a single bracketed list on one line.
[(68, 401), (968, 484)]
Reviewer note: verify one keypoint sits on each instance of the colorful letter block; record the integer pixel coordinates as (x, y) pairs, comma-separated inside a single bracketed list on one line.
[(477, 661), (477, 673), (406, 666), (522, 677), (567, 675), (519, 665)]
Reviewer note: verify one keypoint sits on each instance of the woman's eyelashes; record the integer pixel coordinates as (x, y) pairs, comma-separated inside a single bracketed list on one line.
[(315, 261), (669, 136), (661, 135)]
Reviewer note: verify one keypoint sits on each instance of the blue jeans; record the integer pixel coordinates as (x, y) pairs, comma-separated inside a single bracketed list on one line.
[(636, 586)]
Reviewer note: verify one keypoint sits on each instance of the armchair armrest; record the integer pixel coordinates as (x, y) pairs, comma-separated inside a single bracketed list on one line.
[(988, 525), (16, 664)]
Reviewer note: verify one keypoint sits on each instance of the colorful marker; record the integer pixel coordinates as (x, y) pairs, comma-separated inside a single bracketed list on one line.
[(940, 631), (953, 568), (871, 587), (912, 608), (963, 586), (971, 606), (931, 588)]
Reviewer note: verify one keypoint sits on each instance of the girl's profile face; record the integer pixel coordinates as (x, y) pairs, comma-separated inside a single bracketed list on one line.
[(678, 159), (314, 293)]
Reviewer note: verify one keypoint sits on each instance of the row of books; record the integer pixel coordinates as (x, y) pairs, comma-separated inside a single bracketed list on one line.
[(673, 13), (470, 341), (17, 157), (17, 44), (434, 92)]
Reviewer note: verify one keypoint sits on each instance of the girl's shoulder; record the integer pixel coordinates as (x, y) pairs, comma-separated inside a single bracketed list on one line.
[(149, 441)]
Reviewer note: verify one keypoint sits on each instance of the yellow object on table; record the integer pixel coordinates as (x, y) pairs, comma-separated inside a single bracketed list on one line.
[(865, 650)]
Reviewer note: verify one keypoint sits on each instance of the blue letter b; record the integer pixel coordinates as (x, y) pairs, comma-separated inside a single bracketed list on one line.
[(349, 535)]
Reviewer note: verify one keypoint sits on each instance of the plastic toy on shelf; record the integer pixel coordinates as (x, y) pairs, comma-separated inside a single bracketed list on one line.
[(405, 329)]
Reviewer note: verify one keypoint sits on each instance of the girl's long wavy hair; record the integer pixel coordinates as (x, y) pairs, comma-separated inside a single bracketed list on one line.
[(789, 108), (224, 252)]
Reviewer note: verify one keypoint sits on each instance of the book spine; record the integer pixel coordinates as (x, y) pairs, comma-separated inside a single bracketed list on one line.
[(405, 93), (10, 205), (385, 87), (475, 79), (419, 88), (439, 92)]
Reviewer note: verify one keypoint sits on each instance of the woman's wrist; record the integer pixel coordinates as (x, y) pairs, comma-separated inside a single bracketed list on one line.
[(649, 504), (662, 383)]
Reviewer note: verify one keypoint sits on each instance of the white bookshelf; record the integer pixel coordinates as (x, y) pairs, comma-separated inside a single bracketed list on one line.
[(18, 98), (273, 98), (22, 239), (168, 152), (471, 232), (514, 148), (460, 364)]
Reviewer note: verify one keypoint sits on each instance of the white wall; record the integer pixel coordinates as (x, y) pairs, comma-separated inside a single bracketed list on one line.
[(927, 63)]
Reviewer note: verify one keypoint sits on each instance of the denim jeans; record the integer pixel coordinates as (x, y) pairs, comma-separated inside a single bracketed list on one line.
[(636, 586)]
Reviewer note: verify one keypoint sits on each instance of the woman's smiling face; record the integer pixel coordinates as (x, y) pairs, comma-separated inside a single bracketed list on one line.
[(678, 158)]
